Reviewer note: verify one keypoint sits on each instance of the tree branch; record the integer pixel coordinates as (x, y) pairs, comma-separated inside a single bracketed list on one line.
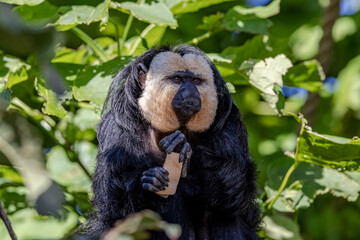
[(7, 222)]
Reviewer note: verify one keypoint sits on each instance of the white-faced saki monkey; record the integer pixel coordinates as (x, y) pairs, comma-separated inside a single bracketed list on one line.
[(173, 99)]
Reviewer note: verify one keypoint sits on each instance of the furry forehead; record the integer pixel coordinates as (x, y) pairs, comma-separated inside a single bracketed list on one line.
[(167, 63)]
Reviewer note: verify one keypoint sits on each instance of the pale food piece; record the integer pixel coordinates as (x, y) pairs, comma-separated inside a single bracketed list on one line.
[(173, 166)]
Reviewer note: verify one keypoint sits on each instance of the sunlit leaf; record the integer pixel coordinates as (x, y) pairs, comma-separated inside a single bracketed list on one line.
[(157, 13), (140, 224), (280, 227), (266, 75), (9, 177), (27, 220), (84, 14), (64, 172), (186, 6), (42, 12), (267, 11), (212, 23), (259, 47), (23, 2), (16, 77), (92, 83), (328, 151), (235, 21), (51, 105), (308, 75)]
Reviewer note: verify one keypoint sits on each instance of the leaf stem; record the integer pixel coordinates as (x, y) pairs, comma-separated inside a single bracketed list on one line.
[(138, 39), (7, 222), (283, 184), (126, 30), (117, 36), (200, 38), (89, 41)]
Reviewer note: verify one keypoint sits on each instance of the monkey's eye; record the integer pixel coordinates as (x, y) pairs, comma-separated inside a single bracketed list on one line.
[(176, 79), (197, 80)]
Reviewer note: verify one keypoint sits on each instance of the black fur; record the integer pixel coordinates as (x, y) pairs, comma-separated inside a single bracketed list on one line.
[(217, 198)]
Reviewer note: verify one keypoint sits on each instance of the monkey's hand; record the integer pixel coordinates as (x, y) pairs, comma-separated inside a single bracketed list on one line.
[(176, 142), (155, 179)]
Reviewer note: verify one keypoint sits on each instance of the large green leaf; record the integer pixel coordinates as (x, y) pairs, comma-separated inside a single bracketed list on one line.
[(51, 105), (307, 182), (328, 151), (266, 76), (280, 227), (137, 226), (157, 13), (83, 14), (186, 6), (236, 21), (308, 75), (212, 23), (9, 177), (348, 97), (13, 71), (258, 47), (93, 83), (28, 224), (252, 20), (267, 11), (42, 12), (23, 2), (66, 173)]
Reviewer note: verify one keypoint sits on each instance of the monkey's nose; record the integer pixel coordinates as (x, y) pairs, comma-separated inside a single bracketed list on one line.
[(192, 105)]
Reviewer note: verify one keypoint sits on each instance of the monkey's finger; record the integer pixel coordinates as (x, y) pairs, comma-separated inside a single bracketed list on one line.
[(159, 173), (183, 153), (149, 187), (184, 168), (164, 143), (154, 181), (178, 140)]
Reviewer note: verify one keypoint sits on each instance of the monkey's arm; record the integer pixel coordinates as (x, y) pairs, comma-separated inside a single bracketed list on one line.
[(229, 175), (118, 187)]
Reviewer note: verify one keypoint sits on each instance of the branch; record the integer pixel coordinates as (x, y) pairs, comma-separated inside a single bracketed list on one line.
[(324, 55), (7, 222)]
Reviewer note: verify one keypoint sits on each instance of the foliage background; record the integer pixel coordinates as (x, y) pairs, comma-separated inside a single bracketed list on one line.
[(57, 59)]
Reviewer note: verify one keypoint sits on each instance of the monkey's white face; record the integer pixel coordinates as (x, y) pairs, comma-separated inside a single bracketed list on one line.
[(156, 100)]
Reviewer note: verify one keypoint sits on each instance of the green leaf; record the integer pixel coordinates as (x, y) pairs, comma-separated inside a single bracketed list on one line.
[(258, 47), (93, 83), (140, 224), (234, 20), (280, 227), (16, 77), (156, 13), (83, 14), (307, 182), (230, 87), (51, 105), (212, 23), (267, 11), (42, 12), (187, 6), (266, 75), (9, 177), (308, 75), (328, 151), (66, 173), (23, 2), (25, 221), (305, 41), (348, 97)]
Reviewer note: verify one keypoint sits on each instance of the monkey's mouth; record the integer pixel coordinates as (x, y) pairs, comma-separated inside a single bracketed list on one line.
[(186, 109)]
